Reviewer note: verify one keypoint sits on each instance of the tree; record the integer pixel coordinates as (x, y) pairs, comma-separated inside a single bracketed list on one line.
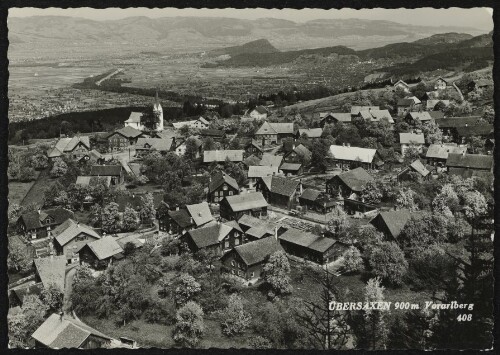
[(339, 225), (352, 260), (423, 230), (411, 154), (130, 219), (40, 161), (388, 262), (405, 199), (59, 168), (110, 218), (52, 297), (320, 151), (148, 211), (259, 342), (17, 259), (95, 215), (276, 273), (371, 192), (191, 149), (446, 202), (187, 288), (209, 144), (150, 118), (24, 324), (189, 326), (475, 144), (234, 319), (431, 131)]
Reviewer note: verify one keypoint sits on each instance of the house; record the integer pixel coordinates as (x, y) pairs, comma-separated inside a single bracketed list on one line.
[(221, 185), (437, 154), (218, 237), (251, 203), (247, 261), (305, 245), (251, 160), (253, 148), (400, 84), (460, 164), (311, 133), (180, 150), (123, 138), (64, 332), (269, 159), (317, 201), (349, 182), (274, 133), (355, 110), (51, 271), (449, 125), (413, 117), (407, 140), (432, 105), (93, 180), (184, 219), (299, 154), (256, 172), (116, 172), (76, 148), (479, 84), (70, 237), (134, 121), (354, 205), (255, 228), (39, 224), (375, 115), (146, 145), (100, 253), (291, 169), (416, 168), (408, 104), (258, 113), (391, 223), (482, 130), (221, 156), (347, 157), (278, 190), (334, 117), (200, 123), (436, 115), (217, 135), (17, 294), (94, 157), (440, 84)]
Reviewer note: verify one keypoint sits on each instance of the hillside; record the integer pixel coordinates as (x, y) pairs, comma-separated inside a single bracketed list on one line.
[(258, 46), (440, 38)]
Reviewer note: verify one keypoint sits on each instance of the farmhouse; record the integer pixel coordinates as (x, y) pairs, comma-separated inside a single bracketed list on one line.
[(279, 191), (291, 169), (375, 115), (146, 145), (39, 224), (115, 172), (221, 185), (217, 135), (100, 253), (253, 148), (408, 104), (413, 117), (256, 172), (123, 138), (391, 223), (347, 157), (310, 133), (17, 294), (482, 130), (218, 237), (407, 140), (271, 160), (70, 237), (76, 148), (182, 220), (416, 168), (316, 200), (134, 121), (273, 133), (334, 117), (252, 203), (180, 150), (221, 156), (349, 182), (437, 154), (200, 123), (400, 84), (440, 84), (258, 113), (461, 164), (255, 228), (299, 154)]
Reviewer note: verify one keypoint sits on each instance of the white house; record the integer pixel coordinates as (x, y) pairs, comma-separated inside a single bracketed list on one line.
[(416, 140), (258, 113), (440, 84)]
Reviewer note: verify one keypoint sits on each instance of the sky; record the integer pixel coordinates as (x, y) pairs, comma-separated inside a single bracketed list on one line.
[(480, 18)]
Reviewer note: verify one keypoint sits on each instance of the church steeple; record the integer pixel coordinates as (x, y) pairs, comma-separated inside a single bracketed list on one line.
[(156, 98)]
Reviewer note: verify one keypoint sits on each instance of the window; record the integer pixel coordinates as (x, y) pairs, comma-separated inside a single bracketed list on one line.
[(232, 262), (224, 187), (226, 246), (252, 274), (230, 193), (237, 241)]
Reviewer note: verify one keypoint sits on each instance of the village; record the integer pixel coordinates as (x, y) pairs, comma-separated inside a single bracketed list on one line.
[(156, 217)]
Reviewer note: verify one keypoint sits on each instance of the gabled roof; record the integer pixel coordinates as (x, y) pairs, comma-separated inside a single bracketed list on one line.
[(252, 160), (257, 251), (51, 270), (472, 161), (310, 194), (127, 132), (395, 220), (135, 117), (421, 116), (275, 128), (355, 110), (246, 201), (432, 103), (33, 220), (210, 156), (441, 151), (26, 290), (311, 132), (302, 151), (290, 166), (283, 186), (200, 213), (411, 138), (307, 240), (339, 116), (260, 231), (105, 247), (254, 143), (181, 217), (375, 115), (269, 159), (250, 221), (260, 109), (220, 178), (480, 129), (212, 234), (419, 168), (159, 144), (106, 170), (355, 179), (64, 145), (441, 78), (70, 229), (401, 82), (75, 141), (54, 153), (453, 122), (364, 155)]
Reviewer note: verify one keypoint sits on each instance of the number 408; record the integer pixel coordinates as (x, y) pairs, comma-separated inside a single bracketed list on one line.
[(464, 317)]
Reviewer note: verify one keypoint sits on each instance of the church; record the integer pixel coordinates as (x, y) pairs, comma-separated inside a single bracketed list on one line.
[(134, 119)]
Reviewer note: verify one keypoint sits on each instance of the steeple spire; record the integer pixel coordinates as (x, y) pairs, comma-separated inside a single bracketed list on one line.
[(156, 97)]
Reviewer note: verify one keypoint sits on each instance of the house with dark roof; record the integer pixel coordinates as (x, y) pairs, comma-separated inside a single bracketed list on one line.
[(70, 237), (279, 191), (415, 168), (115, 172), (181, 220), (216, 236), (400, 84), (315, 200), (50, 271), (448, 125), (123, 138), (76, 148), (311, 247), (408, 104), (39, 224), (217, 135), (251, 203), (291, 169), (256, 172), (437, 154), (481, 130), (299, 154), (253, 148), (440, 84), (349, 182), (221, 185), (100, 253), (347, 157), (269, 159), (391, 223), (461, 164), (407, 140), (334, 117), (258, 113), (64, 332), (375, 115), (255, 228), (274, 133), (247, 261), (412, 118)]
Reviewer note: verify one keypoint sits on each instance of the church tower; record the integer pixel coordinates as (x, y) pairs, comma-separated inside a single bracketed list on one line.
[(158, 109)]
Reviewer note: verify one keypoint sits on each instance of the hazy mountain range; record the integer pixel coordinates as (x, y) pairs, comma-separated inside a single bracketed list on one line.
[(209, 32)]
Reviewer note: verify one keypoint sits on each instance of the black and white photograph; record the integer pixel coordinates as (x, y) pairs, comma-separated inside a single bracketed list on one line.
[(250, 178)]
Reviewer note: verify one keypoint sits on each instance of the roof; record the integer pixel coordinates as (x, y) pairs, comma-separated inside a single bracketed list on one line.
[(411, 138), (339, 116), (32, 220), (51, 270), (441, 151), (212, 234), (135, 117), (472, 161), (25, 290), (310, 194), (355, 179), (260, 109), (92, 180), (283, 186), (252, 160), (218, 179), (395, 220), (432, 103), (54, 153), (311, 132), (200, 212), (181, 217), (307, 240), (290, 166), (260, 231), (364, 155), (480, 129), (269, 159), (68, 230), (210, 156), (453, 122), (421, 116), (436, 114), (441, 78), (419, 168), (376, 115), (275, 128), (250, 221), (302, 150), (355, 110), (128, 132), (400, 82), (255, 144), (405, 102), (106, 170), (105, 247), (59, 332), (257, 251), (246, 201), (159, 144)]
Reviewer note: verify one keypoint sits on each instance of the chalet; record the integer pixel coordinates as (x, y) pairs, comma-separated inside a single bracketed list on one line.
[(305, 245), (400, 84), (440, 84), (50, 271), (334, 117), (115, 172), (180, 150), (64, 332), (437, 154), (258, 113), (413, 117), (75, 148), (432, 105), (253, 148), (181, 220), (317, 201), (247, 260), (252, 203), (349, 182), (123, 138), (310, 133), (39, 224), (146, 145), (299, 154), (416, 168), (274, 133), (278, 190), (255, 228), (291, 169), (482, 130), (217, 135), (200, 123), (220, 186), (462, 164), (347, 157), (355, 110), (134, 121), (100, 253), (221, 156), (391, 223), (271, 160), (408, 104), (407, 140), (70, 237), (448, 123), (375, 115), (218, 237), (256, 172)]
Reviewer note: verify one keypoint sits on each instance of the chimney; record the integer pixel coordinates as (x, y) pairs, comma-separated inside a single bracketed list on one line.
[(61, 314), (177, 207), (466, 124), (78, 224), (276, 233), (39, 211), (463, 153)]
